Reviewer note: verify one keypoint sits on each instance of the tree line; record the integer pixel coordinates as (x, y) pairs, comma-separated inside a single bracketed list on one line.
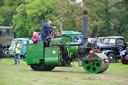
[(106, 17)]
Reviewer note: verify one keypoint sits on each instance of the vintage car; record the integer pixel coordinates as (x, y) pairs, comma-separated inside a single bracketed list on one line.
[(124, 56), (77, 36), (112, 47), (23, 42)]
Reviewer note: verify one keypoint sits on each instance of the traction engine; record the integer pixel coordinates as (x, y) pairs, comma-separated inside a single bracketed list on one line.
[(62, 50)]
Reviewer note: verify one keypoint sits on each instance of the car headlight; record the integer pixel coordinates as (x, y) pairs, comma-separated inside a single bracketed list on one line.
[(122, 53)]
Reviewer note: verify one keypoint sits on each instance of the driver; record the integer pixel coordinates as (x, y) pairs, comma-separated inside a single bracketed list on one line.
[(46, 30)]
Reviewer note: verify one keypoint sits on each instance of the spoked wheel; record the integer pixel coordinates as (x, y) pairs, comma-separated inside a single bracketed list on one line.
[(98, 66), (6, 52), (124, 60), (41, 67), (112, 58)]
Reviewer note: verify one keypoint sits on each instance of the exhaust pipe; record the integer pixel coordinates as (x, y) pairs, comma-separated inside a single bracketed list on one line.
[(84, 48), (85, 25)]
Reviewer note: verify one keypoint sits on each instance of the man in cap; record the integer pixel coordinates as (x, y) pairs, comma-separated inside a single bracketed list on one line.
[(46, 29)]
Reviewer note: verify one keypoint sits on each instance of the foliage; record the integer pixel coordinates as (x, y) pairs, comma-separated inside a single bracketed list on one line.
[(69, 15), (106, 17), (31, 14), (7, 10)]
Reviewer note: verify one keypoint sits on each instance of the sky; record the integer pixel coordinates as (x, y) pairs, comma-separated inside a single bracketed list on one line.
[(78, 1)]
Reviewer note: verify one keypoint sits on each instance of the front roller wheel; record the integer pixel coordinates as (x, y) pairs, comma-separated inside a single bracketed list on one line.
[(98, 66), (41, 67)]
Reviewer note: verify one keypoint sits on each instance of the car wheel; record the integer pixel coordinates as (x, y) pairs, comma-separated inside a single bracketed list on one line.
[(6, 52), (123, 60), (24, 57), (112, 58)]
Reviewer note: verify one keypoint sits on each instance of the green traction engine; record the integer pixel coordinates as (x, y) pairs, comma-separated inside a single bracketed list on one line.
[(62, 50)]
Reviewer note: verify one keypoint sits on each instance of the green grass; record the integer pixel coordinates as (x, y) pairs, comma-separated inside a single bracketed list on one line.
[(22, 74)]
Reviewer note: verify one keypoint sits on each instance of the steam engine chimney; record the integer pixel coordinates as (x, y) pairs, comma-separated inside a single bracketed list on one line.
[(85, 25)]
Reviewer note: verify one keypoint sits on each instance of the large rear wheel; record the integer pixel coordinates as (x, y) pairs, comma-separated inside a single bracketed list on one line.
[(49, 68), (41, 67)]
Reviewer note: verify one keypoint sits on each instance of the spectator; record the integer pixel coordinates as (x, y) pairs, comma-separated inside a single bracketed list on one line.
[(39, 37), (35, 38), (16, 51)]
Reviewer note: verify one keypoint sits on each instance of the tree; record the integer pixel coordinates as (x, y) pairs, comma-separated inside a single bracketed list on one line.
[(70, 15), (120, 18), (31, 14), (7, 10), (106, 17)]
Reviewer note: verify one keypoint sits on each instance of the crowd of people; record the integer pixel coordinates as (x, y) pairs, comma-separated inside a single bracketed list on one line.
[(45, 32)]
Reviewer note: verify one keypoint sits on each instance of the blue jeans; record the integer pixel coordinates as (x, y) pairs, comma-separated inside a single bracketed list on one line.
[(17, 56)]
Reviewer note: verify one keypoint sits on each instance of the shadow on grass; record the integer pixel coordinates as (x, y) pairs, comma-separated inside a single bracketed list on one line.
[(66, 71), (77, 72), (1, 59)]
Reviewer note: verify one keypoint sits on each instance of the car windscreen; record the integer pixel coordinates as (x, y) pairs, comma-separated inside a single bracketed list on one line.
[(13, 42), (26, 42), (120, 42), (109, 41), (105, 41), (112, 41)]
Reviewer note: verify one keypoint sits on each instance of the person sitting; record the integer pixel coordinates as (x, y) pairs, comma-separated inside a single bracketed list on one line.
[(35, 38), (39, 37)]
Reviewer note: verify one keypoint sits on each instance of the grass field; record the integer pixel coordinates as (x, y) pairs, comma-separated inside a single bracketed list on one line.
[(22, 74)]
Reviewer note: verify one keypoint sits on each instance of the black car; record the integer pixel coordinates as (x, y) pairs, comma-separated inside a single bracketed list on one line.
[(112, 46), (124, 56)]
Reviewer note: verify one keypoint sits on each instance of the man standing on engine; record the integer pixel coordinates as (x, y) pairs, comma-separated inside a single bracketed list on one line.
[(46, 29)]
